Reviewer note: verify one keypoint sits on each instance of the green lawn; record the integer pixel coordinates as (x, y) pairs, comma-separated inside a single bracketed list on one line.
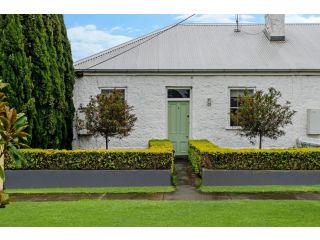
[(162, 213), (94, 190), (273, 188)]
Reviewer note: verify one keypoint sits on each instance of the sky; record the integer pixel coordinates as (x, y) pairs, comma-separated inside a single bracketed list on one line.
[(90, 34)]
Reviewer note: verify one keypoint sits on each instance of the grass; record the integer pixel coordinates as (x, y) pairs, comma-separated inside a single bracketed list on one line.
[(94, 190), (273, 188), (162, 213)]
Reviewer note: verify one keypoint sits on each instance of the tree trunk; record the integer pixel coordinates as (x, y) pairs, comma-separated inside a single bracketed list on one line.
[(107, 142), (2, 166), (260, 141)]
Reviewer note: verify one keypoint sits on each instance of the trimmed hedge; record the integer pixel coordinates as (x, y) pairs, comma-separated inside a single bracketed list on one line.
[(204, 154), (159, 155)]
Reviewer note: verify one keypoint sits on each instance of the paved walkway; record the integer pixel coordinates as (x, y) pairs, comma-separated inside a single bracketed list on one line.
[(187, 182), (186, 190)]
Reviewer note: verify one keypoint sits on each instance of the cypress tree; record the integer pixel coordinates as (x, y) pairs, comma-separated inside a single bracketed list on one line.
[(36, 48), (57, 84), (35, 58), (69, 78), (15, 67)]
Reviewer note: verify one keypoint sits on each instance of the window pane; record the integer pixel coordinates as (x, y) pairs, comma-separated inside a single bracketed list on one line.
[(233, 122), (239, 92), (109, 91), (178, 93), (236, 92), (234, 102)]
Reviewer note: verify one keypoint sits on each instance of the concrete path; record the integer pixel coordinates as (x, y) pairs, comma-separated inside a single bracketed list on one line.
[(187, 182), (186, 190)]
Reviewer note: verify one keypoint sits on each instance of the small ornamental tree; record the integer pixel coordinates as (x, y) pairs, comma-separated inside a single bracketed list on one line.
[(260, 115), (108, 115)]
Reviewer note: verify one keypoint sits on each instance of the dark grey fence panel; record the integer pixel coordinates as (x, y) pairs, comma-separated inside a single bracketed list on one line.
[(260, 177), (86, 178)]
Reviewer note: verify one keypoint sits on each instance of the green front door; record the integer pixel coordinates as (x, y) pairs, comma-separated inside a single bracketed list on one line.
[(178, 126)]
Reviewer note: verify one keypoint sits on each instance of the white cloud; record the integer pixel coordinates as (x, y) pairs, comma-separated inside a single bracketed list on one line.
[(217, 18), (116, 28), (156, 27), (299, 18), (87, 40), (124, 29)]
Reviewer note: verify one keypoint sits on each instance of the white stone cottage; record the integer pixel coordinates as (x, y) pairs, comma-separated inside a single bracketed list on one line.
[(184, 80)]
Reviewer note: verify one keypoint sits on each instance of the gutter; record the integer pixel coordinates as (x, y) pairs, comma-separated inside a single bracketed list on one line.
[(209, 72)]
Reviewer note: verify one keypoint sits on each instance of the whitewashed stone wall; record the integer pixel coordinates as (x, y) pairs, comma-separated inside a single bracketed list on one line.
[(148, 96)]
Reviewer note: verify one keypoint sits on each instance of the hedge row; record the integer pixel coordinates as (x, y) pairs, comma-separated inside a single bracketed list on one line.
[(159, 155), (204, 154)]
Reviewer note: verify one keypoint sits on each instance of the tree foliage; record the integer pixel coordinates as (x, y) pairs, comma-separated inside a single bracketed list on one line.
[(36, 61), (12, 137), (261, 115), (12, 131), (108, 115), (15, 66)]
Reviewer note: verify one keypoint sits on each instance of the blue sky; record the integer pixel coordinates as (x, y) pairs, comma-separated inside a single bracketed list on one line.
[(92, 33)]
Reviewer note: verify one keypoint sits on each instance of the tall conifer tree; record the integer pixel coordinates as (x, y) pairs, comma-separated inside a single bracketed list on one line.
[(15, 67), (36, 48), (69, 78), (57, 83), (41, 63)]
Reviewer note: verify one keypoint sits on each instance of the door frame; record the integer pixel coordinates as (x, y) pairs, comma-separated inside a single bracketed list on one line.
[(179, 100)]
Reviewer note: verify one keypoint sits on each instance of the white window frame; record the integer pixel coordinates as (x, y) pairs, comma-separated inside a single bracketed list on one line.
[(229, 127), (111, 88), (80, 115)]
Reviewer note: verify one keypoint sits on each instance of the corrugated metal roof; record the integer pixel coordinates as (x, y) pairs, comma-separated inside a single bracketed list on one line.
[(213, 47)]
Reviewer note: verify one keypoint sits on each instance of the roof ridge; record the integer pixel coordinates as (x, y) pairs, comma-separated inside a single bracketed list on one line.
[(241, 24), (122, 45)]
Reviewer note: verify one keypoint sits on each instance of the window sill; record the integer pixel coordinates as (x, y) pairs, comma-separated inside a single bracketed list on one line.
[(232, 128), (84, 132)]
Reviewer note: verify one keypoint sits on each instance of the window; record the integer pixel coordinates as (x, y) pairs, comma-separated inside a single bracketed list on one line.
[(234, 103), (178, 93), (81, 121), (120, 90)]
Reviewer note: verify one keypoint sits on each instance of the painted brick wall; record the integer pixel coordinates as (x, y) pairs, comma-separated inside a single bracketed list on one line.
[(148, 96)]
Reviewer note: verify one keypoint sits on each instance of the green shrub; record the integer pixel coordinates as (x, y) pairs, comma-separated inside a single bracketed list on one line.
[(204, 154), (160, 155)]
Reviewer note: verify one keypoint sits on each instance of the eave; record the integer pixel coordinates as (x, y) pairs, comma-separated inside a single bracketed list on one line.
[(209, 72)]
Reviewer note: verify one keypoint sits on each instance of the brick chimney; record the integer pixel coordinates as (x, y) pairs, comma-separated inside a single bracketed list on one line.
[(274, 27)]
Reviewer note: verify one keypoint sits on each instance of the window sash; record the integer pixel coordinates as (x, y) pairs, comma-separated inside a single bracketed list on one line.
[(234, 103), (109, 91)]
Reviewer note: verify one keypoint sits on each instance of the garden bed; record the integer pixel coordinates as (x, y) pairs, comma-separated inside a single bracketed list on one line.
[(94, 168), (231, 167)]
